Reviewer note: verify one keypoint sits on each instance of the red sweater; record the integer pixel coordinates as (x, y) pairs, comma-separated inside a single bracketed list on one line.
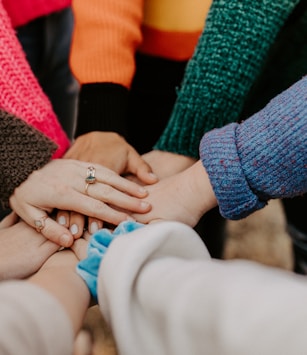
[(20, 93), (23, 11)]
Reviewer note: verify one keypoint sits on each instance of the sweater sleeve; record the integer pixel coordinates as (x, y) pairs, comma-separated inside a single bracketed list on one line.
[(20, 93), (23, 149), (102, 59), (168, 296), (229, 56), (262, 158), (150, 259), (32, 327)]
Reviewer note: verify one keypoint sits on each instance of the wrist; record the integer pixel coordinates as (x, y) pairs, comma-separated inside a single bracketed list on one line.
[(102, 107), (205, 198)]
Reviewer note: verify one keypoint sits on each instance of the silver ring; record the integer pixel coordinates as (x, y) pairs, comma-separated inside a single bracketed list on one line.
[(40, 223), (90, 176)]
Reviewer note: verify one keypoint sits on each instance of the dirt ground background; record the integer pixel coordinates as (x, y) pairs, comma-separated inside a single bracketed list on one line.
[(261, 237)]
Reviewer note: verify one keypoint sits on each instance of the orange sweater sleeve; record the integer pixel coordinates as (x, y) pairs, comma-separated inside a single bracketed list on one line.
[(105, 40)]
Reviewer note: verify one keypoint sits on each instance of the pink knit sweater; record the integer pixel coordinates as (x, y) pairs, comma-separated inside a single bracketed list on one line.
[(20, 93), (23, 11)]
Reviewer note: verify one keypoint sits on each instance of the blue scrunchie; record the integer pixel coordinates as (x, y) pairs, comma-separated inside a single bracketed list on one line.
[(97, 247)]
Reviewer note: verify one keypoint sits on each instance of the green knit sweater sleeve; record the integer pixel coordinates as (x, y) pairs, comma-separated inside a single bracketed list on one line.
[(229, 56)]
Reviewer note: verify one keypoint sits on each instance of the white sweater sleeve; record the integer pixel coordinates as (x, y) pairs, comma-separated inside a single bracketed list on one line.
[(32, 321), (162, 294), (139, 282)]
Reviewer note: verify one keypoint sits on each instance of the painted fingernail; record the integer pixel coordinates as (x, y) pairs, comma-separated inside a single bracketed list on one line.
[(143, 190), (65, 240), (93, 227), (153, 176), (74, 229), (62, 220), (144, 205)]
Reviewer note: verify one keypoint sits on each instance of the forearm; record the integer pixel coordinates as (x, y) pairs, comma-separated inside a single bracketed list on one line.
[(228, 58), (262, 158), (169, 297), (134, 296), (43, 326), (203, 197), (65, 285), (106, 35)]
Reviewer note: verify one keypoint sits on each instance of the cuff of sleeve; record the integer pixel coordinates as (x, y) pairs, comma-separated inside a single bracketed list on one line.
[(102, 107), (23, 149), (88, 268), (41, 325), (218, 152)]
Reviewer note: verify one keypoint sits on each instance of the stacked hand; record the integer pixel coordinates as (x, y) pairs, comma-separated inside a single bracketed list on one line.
[(23, 250), (63, 184)]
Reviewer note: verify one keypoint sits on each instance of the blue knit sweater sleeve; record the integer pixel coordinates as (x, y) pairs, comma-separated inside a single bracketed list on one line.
[(264, 157)]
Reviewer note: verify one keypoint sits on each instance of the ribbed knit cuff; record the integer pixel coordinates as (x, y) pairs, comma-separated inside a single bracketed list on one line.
[(228, 58), (102, 107), (262, 158), (23, 149), (219, 155)]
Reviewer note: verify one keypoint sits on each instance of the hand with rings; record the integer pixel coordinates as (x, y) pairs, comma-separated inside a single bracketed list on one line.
[(84, 188), (75, 221), (118, 155), (23, 251)]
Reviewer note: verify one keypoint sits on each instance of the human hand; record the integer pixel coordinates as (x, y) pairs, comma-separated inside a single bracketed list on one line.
[(76, 222), (23, 250), (165, 164), (183, 197), (111, 150), (77, 252), (61, 184), (80, 246)]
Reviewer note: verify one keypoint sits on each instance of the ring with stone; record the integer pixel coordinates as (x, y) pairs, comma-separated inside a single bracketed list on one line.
[(90, 175), (40, 223)]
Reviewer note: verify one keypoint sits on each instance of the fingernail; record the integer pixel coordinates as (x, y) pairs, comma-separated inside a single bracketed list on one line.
[(130, 219), (74, 229), (94, 227), (154, 176), (62, 220), (144, 205), (143, 190), (65, 240)]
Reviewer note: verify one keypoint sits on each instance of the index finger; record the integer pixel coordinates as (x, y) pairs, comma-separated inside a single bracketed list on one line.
[(140, 168)]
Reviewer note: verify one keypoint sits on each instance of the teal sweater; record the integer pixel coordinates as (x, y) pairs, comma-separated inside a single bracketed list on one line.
[(232, 52)]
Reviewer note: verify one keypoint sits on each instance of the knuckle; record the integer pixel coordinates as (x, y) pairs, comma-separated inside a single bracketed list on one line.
[(108, 175), (106, 191), (99, 206)]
